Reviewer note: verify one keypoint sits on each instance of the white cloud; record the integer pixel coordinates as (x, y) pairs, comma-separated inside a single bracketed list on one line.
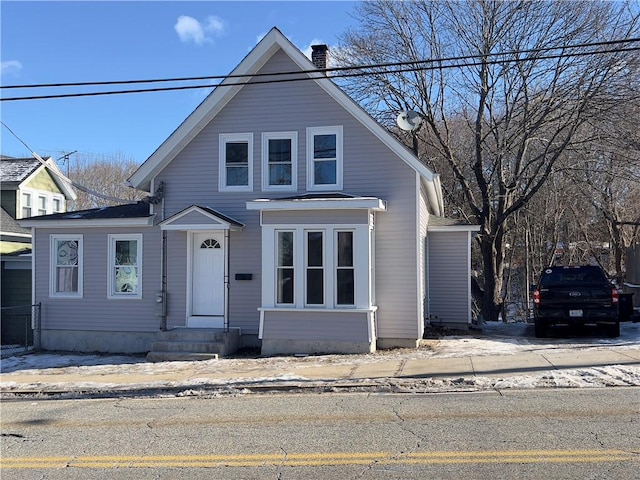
[(11, 67), (190, 29)]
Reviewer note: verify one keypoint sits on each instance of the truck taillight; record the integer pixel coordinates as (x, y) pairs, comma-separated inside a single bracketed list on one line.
[(614, 295), (536, 297)]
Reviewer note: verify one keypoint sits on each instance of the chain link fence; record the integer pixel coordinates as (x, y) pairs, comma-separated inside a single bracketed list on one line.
[(20, 329)]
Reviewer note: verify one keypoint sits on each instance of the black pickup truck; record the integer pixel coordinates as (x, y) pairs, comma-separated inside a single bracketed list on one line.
[(580, 295)]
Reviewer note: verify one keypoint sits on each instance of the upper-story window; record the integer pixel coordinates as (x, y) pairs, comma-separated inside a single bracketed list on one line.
[(42, 205), (279, 160), (236, 162), (324, 158), (37, 202), (26, 204)]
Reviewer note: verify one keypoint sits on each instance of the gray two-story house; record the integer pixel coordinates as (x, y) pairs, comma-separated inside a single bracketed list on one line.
[(278, 210)]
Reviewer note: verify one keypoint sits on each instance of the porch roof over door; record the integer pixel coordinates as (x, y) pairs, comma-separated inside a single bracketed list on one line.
[(197, 217)]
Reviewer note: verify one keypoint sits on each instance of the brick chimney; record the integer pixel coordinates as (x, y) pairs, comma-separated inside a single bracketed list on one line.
[(320, 56)]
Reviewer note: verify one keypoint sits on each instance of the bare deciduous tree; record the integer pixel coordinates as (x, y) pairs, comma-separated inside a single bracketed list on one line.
[(106, 176), (502, 116)]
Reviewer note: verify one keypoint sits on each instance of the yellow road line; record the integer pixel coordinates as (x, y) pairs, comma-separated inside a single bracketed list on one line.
[(322, 459)]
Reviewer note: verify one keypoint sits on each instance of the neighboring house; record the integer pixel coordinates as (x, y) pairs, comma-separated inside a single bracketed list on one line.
[(280, 210), (28, 188)]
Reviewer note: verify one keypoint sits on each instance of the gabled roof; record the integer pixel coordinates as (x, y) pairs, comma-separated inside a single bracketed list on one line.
[(16, 171), (122, 215), (196, 217), (251, 64)]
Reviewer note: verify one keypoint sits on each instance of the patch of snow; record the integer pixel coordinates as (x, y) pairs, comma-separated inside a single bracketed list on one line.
[(81, 371)]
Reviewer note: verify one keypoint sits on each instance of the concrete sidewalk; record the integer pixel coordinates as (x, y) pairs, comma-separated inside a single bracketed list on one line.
[(287, 373)]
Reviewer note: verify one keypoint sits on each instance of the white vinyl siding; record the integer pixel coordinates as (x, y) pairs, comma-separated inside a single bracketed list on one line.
[(125, 266), (280, 161), (236, 162), (66, 266), (324, 158)]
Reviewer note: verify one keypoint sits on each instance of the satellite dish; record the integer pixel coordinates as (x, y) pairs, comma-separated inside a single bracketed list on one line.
[(408, 120)]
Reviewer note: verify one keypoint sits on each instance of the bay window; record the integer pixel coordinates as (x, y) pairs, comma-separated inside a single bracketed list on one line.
[(327, 264)]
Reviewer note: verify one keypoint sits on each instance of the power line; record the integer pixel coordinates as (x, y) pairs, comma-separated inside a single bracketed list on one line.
[(60, 176), (333, 69), (375, 69)]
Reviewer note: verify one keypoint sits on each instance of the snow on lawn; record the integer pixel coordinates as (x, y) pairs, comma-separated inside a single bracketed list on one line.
[(84, 372)]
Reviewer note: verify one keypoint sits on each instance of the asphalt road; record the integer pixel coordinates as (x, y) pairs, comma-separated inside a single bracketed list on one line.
[(565, 433)]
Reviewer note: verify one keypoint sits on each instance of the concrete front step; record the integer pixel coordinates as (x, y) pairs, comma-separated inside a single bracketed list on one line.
[(195, 334), (189, 344), (179, 356)]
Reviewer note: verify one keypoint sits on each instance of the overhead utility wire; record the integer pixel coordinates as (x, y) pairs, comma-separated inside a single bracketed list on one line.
[(335, 69), (65, 179), (320, 75)]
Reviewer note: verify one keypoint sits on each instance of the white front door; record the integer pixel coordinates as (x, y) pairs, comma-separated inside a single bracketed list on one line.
[(207, 281)]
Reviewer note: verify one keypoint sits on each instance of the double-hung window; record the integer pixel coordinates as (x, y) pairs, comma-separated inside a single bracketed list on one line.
[(345, 268), (314, 294), (285, 278), (324, 158), (125, 262), (42, 205), (26, 204), (279, 160), (236, 162), (66, 266)]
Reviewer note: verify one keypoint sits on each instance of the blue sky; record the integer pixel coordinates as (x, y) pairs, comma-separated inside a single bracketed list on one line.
[(62, 42)]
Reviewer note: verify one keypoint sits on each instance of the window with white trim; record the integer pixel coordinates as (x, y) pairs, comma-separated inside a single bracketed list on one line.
[(42, 205), (327, 265), (315, 263), (57, 205), (324, 158), (26, 204), (236, 162), (125, 266), (345, 268), (66, 266), (285, 291), (279, 160)]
